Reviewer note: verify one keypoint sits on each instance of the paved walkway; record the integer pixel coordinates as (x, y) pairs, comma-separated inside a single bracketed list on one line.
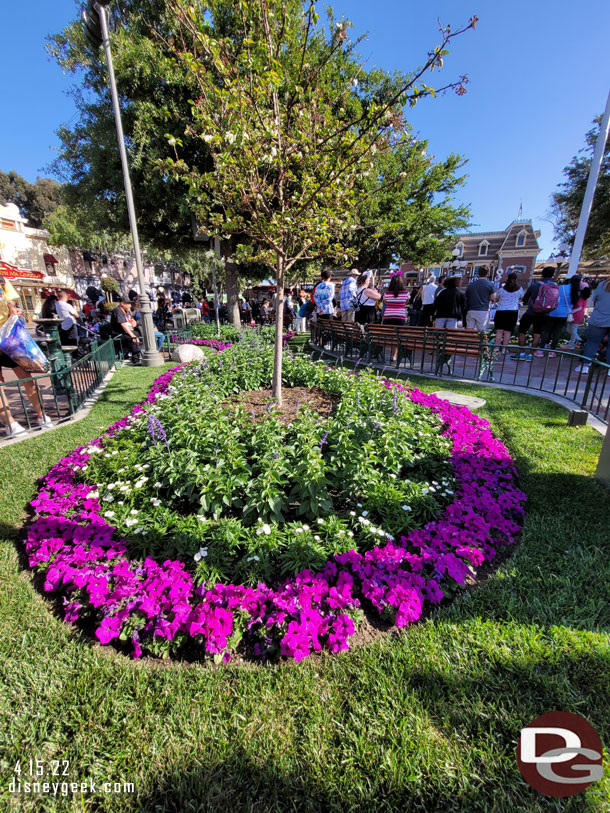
[(55, 403)]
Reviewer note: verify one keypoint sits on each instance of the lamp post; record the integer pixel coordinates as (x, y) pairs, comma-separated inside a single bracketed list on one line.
[(96, 32)]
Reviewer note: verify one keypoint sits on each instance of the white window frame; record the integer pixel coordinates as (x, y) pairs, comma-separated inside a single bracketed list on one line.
[(460, 249), (484, 244), (522, 234)]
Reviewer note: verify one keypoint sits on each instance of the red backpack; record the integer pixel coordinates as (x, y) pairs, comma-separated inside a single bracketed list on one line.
[(547, 298)]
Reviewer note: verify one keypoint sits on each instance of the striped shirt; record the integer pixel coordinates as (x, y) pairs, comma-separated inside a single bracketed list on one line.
[(395, 306)]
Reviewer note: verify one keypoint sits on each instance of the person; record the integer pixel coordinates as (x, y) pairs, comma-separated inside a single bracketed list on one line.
[(136, 324), (68, 332), (49, 308), (205, 310), (347, 294), (395, 301), (121, 327), (288, 309), (599, 327), (507, 310), (450, 304), (427, 297), (323, 296), (531, 317), (266, 312), (579, 294), (12, 428), (479, 294), (556, 320), (245, 311), (367, 297), (415, 307)]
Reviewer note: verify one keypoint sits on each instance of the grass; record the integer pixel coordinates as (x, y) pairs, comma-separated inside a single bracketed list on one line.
[(424, 720)]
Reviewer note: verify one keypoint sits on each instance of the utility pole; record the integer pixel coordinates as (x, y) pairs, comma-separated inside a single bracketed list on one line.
[(96, 32), (585, 211)]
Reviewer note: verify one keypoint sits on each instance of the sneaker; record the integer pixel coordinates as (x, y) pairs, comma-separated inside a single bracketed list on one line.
[(552, 355), (15, 429), (46, 421), (582, 368), (539, 354), (517, 356), (529, 357)]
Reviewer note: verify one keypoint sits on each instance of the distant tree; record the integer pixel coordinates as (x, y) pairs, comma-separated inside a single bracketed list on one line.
[(35, 200), (292, 137), (567, 202)]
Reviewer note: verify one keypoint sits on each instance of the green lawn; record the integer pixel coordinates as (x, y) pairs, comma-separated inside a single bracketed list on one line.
[(423, 720)]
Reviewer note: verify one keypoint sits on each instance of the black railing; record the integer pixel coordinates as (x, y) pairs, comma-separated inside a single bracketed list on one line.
[(445, 353), (60, 393)]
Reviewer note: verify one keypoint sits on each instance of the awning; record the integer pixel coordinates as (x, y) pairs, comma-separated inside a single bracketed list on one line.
[(71, 293), (49, 258)]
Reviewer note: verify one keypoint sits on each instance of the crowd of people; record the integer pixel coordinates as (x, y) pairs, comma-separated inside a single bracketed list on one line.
[(547, 307)]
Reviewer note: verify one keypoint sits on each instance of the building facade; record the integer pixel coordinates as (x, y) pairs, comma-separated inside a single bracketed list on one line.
[(34, 268), (514, 249)]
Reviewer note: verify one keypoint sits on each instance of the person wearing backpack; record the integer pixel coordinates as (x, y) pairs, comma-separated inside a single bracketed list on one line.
[(541, 298), (556, 320)]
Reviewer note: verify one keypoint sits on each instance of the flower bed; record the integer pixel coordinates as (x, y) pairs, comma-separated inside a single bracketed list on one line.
[(92, 543)]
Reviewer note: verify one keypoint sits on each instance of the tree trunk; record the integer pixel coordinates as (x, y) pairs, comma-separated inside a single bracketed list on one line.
[(232, 294), (279, 331)]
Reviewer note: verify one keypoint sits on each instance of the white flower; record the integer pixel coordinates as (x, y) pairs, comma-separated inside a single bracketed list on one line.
[(365, 513), (253, 559), (350, 533), (201, 518), (266, 529), (317, 538), (157, 485), (320, 521), (352, 513), (108, 498), (431, 488), (120, 502), (155, 502), (359, 504), (207, 138), (229, 137), (139, 530), (130, 522), (108, 513), (305, 527), (364, 521), (298, 530), (407, 508), (93, 495), (201, 554)]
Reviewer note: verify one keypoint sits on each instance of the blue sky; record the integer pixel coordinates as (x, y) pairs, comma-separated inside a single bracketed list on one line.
[(538, 74)]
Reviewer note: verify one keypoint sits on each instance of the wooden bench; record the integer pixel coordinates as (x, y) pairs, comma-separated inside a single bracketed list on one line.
[(443, 343)]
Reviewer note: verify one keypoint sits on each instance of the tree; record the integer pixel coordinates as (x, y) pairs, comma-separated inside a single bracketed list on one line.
[(35, 201), (567, 202), (413, 220), (290, 133)]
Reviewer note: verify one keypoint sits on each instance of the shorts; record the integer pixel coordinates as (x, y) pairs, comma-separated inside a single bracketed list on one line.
[(348, 315), (506, 320), (477, 320), (533, 320), (393, 320), (7, 361)]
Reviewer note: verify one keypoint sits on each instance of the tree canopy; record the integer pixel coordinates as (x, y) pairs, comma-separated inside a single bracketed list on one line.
[(567, 201), (35, 200)]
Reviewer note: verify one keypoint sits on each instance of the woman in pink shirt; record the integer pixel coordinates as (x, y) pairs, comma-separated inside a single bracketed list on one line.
[(395, 302), (579, 294)]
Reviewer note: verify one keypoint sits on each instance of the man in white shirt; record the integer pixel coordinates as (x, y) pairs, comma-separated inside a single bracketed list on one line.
[(427, 299), (68, 332)]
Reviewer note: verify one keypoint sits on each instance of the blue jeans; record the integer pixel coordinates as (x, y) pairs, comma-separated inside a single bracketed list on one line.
[(595, 336), (159, 337)]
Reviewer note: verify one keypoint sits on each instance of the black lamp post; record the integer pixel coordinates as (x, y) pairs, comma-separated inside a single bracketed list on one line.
[(96, 32)]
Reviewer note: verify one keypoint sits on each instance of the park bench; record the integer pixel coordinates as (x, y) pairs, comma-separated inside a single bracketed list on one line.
[(443, 344)]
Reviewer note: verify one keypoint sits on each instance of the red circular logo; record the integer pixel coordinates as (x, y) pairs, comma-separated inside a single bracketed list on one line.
[(560, 754)]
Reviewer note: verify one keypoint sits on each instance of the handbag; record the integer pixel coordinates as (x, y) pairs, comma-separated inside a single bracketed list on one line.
[(18, 345)]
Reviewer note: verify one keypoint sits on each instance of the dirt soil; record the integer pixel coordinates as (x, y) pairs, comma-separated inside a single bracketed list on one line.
[(259, 402)]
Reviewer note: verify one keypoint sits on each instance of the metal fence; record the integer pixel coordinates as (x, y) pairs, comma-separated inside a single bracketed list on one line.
[(439, 354), (60, 393)]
